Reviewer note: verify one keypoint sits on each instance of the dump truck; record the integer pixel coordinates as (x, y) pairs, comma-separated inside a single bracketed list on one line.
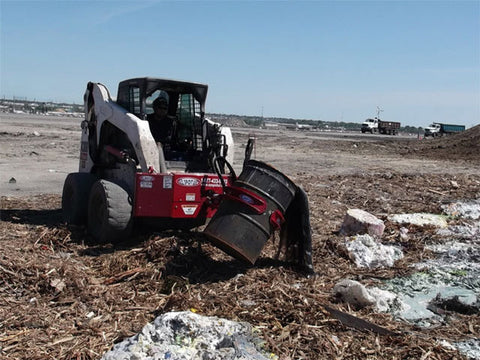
[(439, 129), (382, 127), (126, 178)]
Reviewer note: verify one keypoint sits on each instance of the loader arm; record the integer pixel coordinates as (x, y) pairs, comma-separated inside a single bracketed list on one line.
[(136, 130)]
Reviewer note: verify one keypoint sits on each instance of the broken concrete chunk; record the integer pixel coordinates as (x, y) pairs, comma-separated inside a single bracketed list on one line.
[(358, 221), (367, 252), (386, 301), (419, 219), (186, 335)]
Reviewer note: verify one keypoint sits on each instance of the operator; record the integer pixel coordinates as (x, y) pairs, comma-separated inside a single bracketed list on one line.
[(162, 126)]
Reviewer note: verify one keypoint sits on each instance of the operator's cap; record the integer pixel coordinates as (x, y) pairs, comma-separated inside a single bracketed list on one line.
[(162, 98)]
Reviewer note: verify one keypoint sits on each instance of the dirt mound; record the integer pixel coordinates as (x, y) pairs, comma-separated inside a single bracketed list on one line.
[(231, 121), (462, 146)]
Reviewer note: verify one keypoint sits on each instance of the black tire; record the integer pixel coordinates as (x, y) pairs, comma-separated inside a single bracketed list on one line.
[(76, 190), (109, 212)]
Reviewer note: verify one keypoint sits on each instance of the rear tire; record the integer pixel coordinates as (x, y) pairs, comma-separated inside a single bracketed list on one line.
[(76, 190), (109, 212)]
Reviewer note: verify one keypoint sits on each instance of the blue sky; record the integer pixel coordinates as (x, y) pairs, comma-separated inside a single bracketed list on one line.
[(324, 60)]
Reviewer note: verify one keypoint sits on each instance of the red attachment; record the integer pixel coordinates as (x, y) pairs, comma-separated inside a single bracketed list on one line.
[(246, 197), (115, 152), (277, 219)]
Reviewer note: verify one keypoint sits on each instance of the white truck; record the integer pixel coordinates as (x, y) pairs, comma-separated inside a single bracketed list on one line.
[(382, 127)]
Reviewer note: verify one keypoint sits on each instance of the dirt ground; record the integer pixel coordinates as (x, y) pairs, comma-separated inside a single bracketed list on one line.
[(64, 297)]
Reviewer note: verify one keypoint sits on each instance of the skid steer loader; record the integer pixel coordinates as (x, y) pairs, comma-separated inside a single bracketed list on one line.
[(125, 176)]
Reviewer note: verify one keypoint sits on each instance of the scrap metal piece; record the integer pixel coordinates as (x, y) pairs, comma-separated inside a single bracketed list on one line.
[(356, 322)]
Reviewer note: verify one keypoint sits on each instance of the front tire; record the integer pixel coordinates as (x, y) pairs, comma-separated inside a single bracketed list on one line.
[(109, 212), (76, 190)]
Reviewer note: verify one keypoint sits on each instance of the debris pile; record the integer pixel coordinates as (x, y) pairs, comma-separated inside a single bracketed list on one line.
[(186, 335), (65, 297), (445, 284), (464, 146)]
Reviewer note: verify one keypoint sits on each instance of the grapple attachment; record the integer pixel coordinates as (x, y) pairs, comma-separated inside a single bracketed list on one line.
[(253, 208)]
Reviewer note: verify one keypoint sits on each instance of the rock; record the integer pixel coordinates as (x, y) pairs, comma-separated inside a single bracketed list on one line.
[(357, 295), (12, 180), (419, 219), (366, 252), (186, 335), (353, 293), (358, 221), (456, 304)]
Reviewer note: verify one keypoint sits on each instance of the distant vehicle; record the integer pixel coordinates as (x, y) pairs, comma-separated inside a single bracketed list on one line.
[(298, 126), (382, 127), (303, 126), (438, 129)]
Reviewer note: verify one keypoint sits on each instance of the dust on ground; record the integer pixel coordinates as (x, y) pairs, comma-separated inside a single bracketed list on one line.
[(64, 297)]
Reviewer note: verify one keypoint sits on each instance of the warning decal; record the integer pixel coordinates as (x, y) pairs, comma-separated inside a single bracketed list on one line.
[(189, 209)]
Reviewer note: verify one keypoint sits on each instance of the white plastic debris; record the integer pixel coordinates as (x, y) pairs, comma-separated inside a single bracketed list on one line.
[(466, 231), (367, 252), (186, 335), (469, 348), (90, 315), (58, 284), (446, 344), (403, 233), (419, 219), (468, 210), (358, 221)]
